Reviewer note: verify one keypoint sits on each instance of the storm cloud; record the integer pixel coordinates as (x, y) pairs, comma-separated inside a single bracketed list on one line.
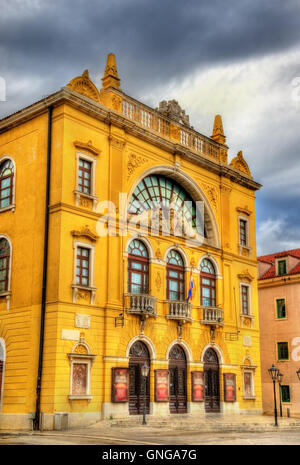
[(233, 57)]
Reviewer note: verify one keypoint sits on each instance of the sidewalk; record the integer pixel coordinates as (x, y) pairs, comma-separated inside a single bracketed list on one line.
[(203, 424)]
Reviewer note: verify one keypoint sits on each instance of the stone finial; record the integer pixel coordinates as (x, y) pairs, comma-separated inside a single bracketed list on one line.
[(218, 132), (111, 78)]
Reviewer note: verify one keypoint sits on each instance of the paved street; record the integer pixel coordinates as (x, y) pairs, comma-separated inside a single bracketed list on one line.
[(158, 438), (209, 430)]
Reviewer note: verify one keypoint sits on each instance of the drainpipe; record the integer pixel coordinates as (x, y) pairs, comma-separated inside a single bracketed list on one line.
[(36, 421)]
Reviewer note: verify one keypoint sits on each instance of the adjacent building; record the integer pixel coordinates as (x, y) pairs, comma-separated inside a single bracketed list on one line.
[(98, 278), (279, 310)]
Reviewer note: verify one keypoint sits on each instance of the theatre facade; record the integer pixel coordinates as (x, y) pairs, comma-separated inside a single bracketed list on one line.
[(127, 245)]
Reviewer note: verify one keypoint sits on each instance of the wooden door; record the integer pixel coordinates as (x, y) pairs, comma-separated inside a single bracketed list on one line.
[(137, 396), (211, 380), (177, 368)]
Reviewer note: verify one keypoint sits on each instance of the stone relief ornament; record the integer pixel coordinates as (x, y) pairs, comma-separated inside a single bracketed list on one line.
[(240, 164), (134, 161), (172, 110), (158, 281), (211, 194), (83, 85)]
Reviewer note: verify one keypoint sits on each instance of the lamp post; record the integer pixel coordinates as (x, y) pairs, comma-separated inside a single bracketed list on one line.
[(145, 371), (298, 373), (273, 372), (279, 377)]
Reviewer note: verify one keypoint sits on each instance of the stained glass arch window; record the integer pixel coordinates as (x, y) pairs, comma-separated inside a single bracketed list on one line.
[(6, 183), (4, 264), (138, 248), (206, 266), (174, 258), (158, 190)]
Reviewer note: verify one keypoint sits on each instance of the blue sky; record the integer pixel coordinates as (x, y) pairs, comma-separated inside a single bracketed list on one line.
[(237, 58)]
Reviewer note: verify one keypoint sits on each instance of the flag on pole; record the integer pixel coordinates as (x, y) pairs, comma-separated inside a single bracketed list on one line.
[(191, 285)]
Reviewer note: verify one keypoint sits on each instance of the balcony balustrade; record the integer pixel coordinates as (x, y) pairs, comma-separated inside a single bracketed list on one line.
[(212, 316), (158, 123), (141, 304), (178, 310)]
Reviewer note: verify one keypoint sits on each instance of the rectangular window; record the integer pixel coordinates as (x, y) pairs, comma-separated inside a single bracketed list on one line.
[(285, 394), (280, 307), (84, 176), (245, 299), (82, 266), (283, 350), (243, 233), (281, 267)]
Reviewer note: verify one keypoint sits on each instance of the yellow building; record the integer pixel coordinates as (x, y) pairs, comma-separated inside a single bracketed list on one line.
[(95, 269)]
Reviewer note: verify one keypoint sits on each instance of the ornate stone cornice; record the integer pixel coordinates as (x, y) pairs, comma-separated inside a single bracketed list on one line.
[(87, 146), (94, 109), (244, 210), (85, 232), (245, 276)]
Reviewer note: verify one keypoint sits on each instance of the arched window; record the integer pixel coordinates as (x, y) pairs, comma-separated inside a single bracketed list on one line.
[(138, 268), (6, 183), (4, 264), (208, 283), (175, 276), (158, 190)]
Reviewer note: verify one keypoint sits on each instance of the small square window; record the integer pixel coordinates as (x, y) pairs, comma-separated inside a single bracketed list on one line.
[(281, 267), (285, 394), (283, 350), (280, 307)]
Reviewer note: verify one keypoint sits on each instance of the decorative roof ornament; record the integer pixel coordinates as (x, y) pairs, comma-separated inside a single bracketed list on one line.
[(111, 77), (240, 164), (218, 132), (84, 86), (173, 110)]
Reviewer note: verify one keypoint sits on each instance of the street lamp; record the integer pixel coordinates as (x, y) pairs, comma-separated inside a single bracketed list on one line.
[(298, 373), (279, 377), (273, 372), (145, 371)]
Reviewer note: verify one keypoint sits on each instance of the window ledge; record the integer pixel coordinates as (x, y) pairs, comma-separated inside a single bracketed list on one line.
[(5, 293), (250, 397), (247, 316), (9, 207), (81, 397)]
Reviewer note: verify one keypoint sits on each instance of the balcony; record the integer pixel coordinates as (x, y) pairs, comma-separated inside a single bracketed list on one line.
[(178, 310), (212, 316), (141, 304)]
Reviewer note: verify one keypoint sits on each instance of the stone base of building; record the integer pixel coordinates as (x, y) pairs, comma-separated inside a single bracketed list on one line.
[(10, 421)]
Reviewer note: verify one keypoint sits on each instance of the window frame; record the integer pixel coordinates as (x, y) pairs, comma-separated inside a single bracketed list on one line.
[(247, 231), (179, 269), (277, 299), (278, 267), (243, 284), (285, 386), (92, 195), (91, 287), (251, 373), (212, 278), (288, 351), (12, 204)]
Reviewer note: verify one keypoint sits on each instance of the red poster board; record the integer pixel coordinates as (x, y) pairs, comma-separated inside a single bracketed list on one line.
[(229, 387), (197, 386), (161, 385), (120, 384)]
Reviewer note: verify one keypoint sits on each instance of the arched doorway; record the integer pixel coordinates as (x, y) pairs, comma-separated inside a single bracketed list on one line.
[(138, 355), (177, 368), (211, 380)]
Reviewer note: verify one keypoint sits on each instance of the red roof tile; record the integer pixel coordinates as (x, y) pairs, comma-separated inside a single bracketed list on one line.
[(271, 272)]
